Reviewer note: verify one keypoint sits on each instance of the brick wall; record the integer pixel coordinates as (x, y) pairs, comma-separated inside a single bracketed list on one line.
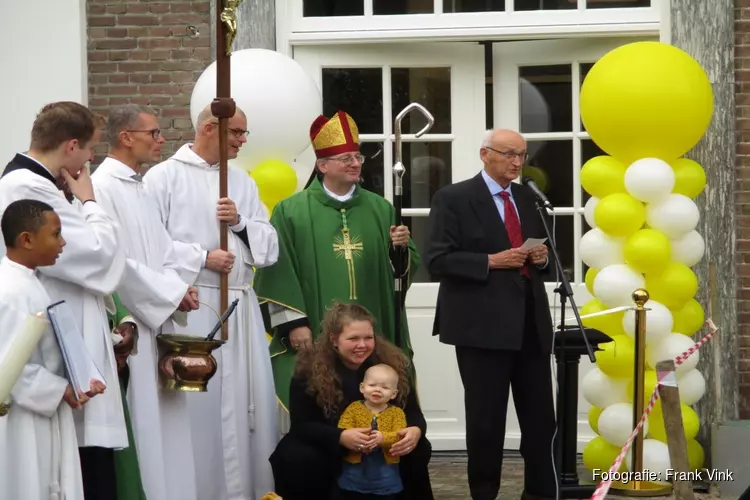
[(742, 78), (138, 53)]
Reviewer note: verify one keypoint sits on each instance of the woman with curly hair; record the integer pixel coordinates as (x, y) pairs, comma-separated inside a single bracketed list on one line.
[(308, 460)]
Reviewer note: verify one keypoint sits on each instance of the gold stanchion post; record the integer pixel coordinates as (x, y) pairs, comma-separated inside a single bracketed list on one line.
[(636, 485)]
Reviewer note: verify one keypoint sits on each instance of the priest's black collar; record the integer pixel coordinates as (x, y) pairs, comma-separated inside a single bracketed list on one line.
[(316, 189), (21, 162)]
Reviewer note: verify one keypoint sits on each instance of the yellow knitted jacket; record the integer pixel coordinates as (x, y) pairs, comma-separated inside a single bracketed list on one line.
[(390, 421)]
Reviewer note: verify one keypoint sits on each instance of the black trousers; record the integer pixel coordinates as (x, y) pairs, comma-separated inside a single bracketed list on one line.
[(302, 471), (98, 471), (488, 375)]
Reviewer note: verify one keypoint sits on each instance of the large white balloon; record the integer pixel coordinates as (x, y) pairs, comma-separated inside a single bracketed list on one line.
[(691, 386), (674, 216), (588, 211), (280, 100), (659, 322), (614, 285), (599, 250), (688, 249), (649, 180), (655, 460), (616, 423), (671, 346), (601, 390)]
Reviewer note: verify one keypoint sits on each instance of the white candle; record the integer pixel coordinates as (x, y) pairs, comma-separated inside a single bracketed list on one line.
[(21, 345)]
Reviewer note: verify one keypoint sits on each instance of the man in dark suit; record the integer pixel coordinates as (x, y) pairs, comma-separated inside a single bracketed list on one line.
[(492, 305)]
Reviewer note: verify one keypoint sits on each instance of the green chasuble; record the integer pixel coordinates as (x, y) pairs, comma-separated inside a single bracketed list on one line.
[(127, 471), (331, 250)]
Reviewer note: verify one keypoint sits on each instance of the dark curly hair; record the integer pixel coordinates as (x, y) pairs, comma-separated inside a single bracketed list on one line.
[(317, 365)]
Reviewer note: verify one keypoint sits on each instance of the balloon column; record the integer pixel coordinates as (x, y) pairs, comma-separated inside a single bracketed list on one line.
[(280, 102), (645, 104)]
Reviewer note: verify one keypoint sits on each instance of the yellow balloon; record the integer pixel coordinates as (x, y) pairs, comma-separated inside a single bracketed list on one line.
[(689, 319), (599, 454), (690, 422), (616, 358), (609, 324), (647, 250), (594, 414), (602, 176), (276, 180), (674, 286), (689, 177), (590, 276), (646, 100), (696, 454), (619, 214), (649, 384)]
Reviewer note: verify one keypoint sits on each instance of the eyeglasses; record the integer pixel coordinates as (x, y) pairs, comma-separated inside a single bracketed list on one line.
[(349, 159), (237, 132), (523, 155), (155, 132)]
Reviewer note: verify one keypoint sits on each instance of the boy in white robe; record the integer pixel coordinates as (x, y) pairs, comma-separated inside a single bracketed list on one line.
[(38, 446)]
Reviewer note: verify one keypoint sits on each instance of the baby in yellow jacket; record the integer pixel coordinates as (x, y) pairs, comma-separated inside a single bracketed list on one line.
[(374, 474)]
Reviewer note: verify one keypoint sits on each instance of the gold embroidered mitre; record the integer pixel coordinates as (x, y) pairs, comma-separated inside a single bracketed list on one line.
[(334, 136)]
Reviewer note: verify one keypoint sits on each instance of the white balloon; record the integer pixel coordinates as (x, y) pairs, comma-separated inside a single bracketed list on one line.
[(655, 460), (659, 322), (598, 250), (588, 211), (691, 386), (279, 99), (601, 390), (649, 180), (671, 346), (675, 216), (688, 249), (616, 423), (614, 285)]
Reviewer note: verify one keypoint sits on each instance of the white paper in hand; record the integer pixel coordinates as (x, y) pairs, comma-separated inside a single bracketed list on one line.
[(532, 242), (80, 368)]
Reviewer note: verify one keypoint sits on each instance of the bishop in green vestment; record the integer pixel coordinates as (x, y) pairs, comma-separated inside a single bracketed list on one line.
[(336, 243), (127, 470)]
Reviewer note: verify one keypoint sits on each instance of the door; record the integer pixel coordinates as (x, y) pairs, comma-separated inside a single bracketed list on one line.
[(373, 83), (536, 90)]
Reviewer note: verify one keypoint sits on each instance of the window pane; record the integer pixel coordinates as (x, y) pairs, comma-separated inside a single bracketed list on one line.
[(418, 228), (589, 150), (430, 87), (372, 169), (328, 8), (545, 4), (546, 90), (562, 230), (359, 92), (428, 168), (451, 6), (386, 7), (616, 4), (554, 160)]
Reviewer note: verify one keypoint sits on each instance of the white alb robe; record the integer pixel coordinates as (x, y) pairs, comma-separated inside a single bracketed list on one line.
[(151, 290), (38, 446), (235, 426), (89, 269)]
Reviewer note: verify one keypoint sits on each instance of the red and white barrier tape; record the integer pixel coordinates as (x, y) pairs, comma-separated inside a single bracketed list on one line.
[(603, 487)]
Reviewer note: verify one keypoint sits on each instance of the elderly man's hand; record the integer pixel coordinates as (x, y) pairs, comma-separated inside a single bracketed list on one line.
[(538, 255)]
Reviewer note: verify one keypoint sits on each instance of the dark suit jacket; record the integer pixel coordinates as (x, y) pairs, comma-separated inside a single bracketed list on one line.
[(476, 306)]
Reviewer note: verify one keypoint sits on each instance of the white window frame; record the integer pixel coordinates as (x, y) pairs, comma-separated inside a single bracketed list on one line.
[(294, 29)]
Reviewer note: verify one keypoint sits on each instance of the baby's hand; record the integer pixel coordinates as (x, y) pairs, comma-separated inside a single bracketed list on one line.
[(376, 439)]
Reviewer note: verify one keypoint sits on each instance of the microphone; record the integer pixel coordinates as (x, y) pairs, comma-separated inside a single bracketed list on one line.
[(529, 183)]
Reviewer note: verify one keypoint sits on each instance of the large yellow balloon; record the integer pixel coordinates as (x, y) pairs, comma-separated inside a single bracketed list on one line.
[(689, 177), (602, 176), (619, 214), (609, 324), (276, 180), (594, 414), (646, 100), (599, 454), (690, 422), (696, 454), (689, 319), (650, 381), (647, 250), (616, 358), (674, 286), (590, 276)]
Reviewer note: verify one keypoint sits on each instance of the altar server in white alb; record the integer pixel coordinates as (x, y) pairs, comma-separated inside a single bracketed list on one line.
[(151, 291), (235, 425), (62, 140), (38, 446)]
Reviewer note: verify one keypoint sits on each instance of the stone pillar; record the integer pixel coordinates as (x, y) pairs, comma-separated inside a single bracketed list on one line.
[(256, 25), (705, 30)]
